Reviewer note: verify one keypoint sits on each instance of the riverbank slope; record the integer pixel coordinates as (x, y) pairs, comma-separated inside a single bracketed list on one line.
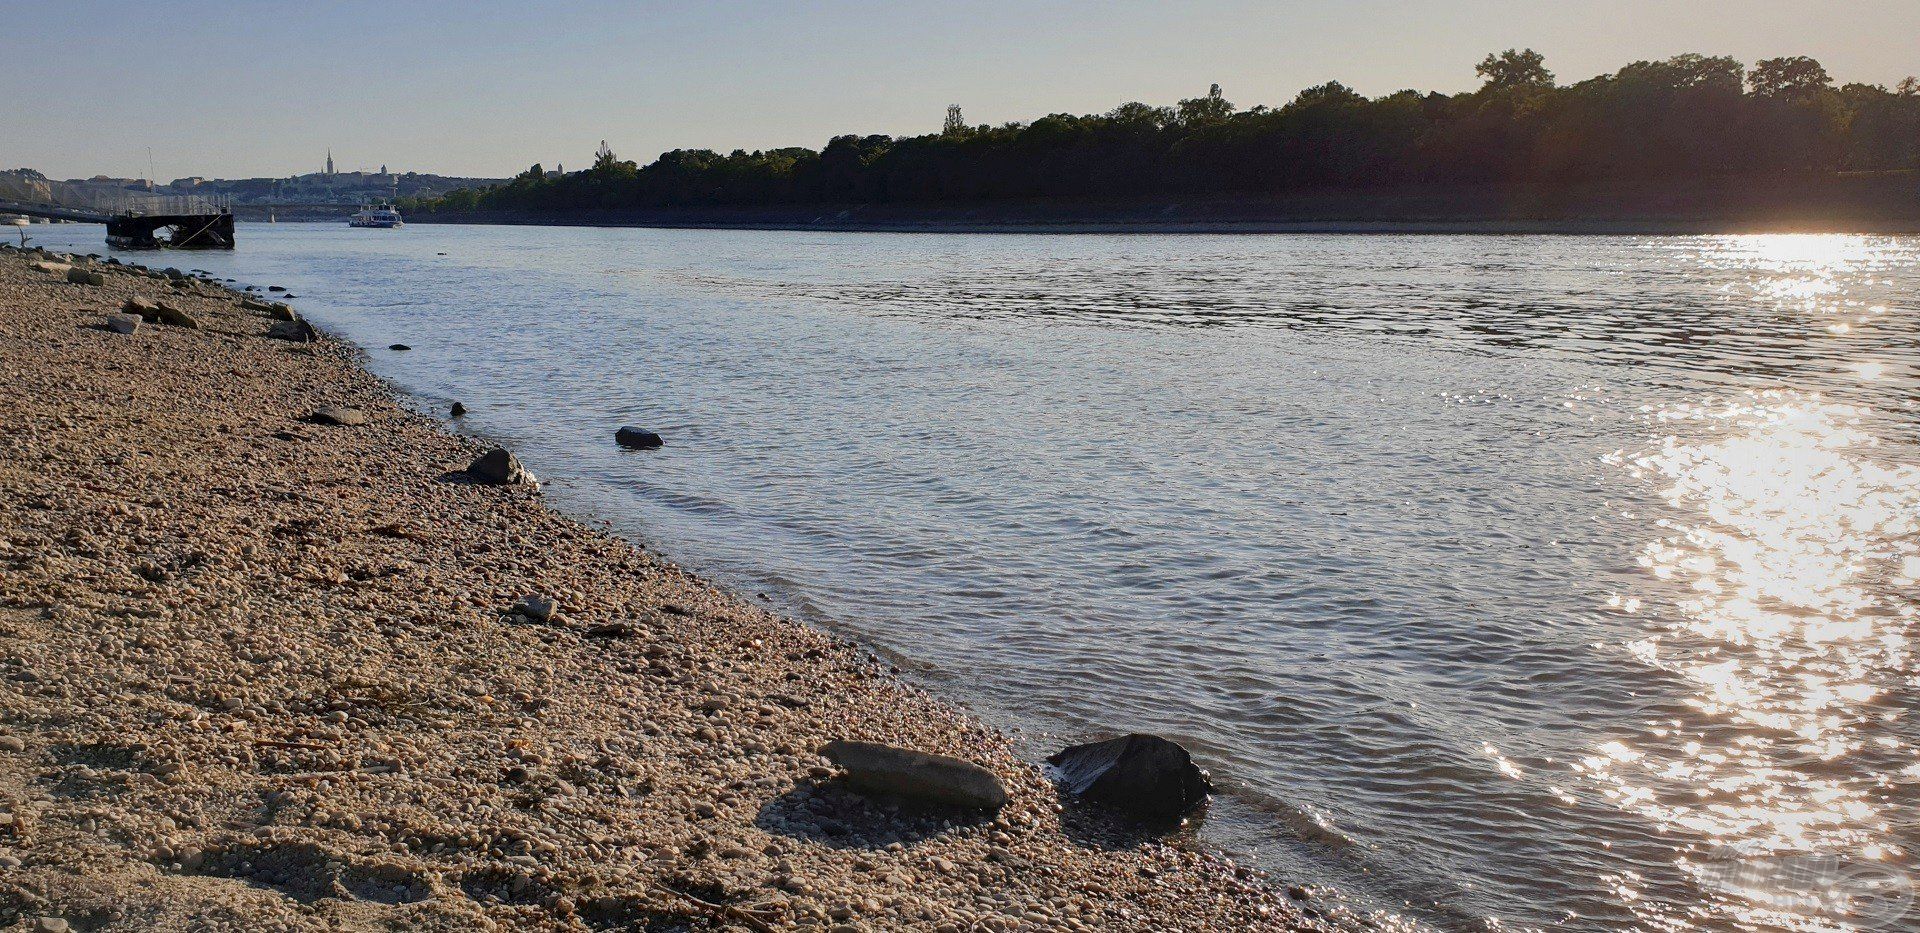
[(257, 673)]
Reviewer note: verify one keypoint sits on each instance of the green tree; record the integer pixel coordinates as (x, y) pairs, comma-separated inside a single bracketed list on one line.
[(1794, 78), (1514, 69)]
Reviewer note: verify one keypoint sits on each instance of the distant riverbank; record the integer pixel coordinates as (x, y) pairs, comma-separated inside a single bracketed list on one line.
[(1885, 203)]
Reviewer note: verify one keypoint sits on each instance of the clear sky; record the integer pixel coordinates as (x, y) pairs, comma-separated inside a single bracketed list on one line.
[(481, 87)]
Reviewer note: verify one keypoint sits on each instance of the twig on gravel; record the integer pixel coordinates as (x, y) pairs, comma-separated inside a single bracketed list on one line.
[(728, 911)]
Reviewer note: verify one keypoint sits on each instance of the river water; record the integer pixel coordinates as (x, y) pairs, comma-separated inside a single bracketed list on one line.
[(1503, 582)]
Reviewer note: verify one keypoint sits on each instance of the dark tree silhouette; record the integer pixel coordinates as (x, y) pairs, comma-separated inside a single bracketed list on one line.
[(1685, 118), (1522, 68), (1798, 77)]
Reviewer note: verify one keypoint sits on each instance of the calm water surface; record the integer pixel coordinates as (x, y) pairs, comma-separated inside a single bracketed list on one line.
[(1508, 582)]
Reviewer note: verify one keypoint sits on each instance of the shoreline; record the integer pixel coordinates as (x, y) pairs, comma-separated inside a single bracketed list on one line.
[(259, 673), (1358, 228)]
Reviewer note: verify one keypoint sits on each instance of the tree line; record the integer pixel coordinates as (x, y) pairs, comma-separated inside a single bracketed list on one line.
[(1687, 117)]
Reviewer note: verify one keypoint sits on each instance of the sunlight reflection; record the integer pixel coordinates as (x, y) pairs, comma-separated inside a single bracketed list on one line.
[(1787, 629)]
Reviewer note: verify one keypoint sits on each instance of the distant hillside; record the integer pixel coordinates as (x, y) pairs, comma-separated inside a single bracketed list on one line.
[(318, 188)]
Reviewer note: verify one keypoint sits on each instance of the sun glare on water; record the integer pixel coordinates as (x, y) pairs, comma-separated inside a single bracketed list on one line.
[(1780, 595)]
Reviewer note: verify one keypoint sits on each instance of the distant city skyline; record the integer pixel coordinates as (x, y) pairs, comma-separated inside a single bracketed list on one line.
[(487, 88)]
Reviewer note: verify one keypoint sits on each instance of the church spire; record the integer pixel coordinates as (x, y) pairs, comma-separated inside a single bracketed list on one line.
[(329, 161)]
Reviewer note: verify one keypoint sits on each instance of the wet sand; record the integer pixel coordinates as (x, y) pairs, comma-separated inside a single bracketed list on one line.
[(258, 673)]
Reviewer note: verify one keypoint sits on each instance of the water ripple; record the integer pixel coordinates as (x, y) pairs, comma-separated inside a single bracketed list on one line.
[(1506, 582)]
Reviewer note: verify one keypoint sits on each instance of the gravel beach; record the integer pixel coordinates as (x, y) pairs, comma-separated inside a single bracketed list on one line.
[(258, 671)]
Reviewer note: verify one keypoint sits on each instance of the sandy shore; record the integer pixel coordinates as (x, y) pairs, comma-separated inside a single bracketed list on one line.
[(256, 673)]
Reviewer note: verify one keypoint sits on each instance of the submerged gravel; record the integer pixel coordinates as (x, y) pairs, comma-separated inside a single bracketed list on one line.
[(262, 670)]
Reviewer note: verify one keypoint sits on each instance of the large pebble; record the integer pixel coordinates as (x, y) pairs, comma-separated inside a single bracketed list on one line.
[(345, 417), (536, 607), (501, 468), (1142, 774), (916, 775), (637, 439), (296, 331)]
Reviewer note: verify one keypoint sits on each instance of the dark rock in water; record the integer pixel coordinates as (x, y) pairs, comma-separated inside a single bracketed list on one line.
[(1142, 774), (398, 346), (501, 468), (344, 417), (275, 288), (637, 439), (298, 331), (935, 779), (457, 410)]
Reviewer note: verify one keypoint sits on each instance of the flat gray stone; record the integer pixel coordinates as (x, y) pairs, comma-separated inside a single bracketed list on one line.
[(296, 331), (168, 314), (902, 772), (536, 607), (344, 417)]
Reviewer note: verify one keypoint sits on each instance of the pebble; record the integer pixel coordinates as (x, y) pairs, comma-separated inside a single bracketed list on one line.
[(536, 608)]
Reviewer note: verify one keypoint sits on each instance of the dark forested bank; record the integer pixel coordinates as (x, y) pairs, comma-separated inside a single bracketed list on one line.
[(1856, 203), (1690, 121)]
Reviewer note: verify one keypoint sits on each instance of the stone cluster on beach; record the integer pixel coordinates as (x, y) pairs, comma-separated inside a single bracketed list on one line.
[(270, 660)]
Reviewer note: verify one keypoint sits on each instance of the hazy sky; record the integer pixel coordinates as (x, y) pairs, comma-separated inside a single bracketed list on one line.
[(486, 88)]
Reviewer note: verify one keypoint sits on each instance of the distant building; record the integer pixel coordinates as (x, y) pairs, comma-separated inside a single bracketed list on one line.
[(329, 161)]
